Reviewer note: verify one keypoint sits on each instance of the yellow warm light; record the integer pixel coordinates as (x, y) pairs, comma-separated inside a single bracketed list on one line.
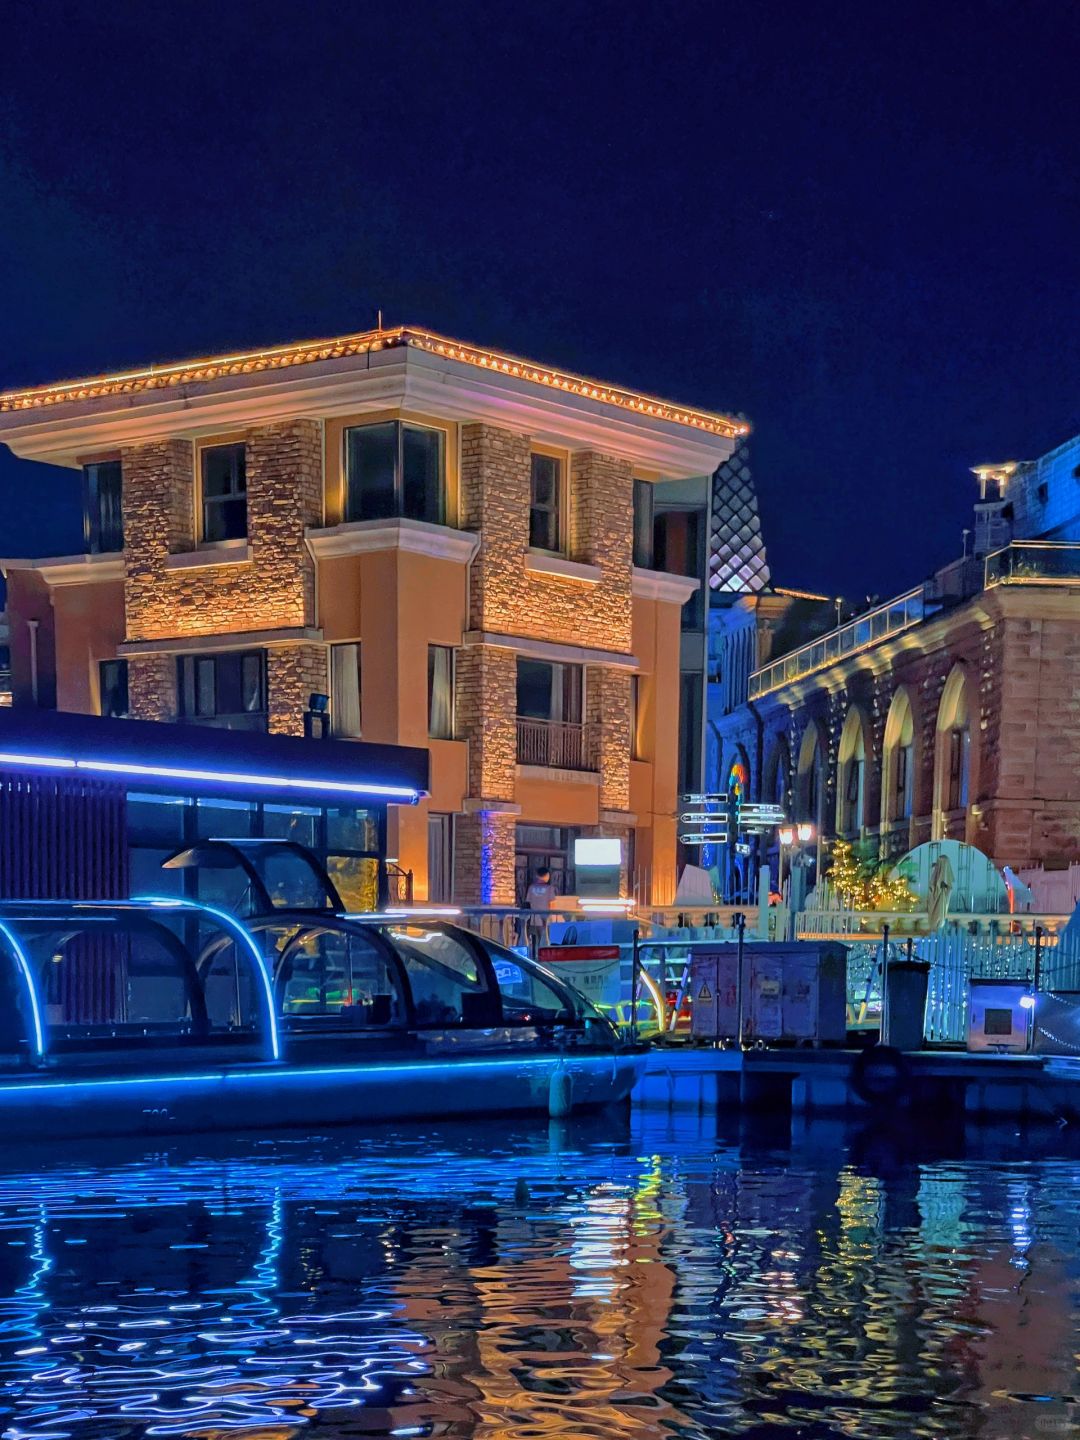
[(193, 372)]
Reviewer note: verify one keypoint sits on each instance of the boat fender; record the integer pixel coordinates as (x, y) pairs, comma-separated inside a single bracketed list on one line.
[(881, 1075), (560, 1093)]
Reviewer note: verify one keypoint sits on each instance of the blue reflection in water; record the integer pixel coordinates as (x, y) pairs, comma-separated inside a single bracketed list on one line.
[(580, 1281)]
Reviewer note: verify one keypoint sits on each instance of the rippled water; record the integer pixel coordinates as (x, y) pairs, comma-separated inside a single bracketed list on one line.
[(601, 1278)]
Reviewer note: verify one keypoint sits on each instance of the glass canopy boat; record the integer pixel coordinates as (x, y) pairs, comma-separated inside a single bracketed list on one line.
[(170, 1015)]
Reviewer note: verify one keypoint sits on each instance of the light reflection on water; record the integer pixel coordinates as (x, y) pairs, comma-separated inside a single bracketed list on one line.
[(584, 1280)]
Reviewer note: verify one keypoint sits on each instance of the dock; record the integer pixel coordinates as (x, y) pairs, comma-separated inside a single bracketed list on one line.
[(805, 1082)]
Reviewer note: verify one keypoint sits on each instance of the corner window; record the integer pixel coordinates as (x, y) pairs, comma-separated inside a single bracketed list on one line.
[(113, 684), (223, 477), (545, 503), (227, 691), (679, 549), (395, 471), (103, 524), (345, 691), (440, 685)]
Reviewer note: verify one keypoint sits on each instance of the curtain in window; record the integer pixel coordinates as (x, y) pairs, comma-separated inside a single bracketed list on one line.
[(345, 691), (440, 692)]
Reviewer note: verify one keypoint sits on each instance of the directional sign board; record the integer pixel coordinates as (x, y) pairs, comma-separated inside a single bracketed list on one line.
[(705, 817), (758, 817)]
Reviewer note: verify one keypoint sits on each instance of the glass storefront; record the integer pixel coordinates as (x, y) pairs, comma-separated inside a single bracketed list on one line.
[(346, 839)]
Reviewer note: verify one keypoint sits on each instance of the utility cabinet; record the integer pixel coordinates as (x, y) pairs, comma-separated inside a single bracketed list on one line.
[(792, 993)]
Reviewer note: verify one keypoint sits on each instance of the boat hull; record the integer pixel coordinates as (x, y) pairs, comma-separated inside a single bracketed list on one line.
[(283, 1096)]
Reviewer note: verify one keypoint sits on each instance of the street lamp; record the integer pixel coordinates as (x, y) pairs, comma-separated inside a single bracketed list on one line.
[(792, 837)]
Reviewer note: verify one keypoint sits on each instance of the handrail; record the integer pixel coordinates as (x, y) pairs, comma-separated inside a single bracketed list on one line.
[(865, 630), (557, 744), (1033, 562)]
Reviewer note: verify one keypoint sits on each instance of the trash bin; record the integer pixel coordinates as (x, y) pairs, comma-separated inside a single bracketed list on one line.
[(908, 981)]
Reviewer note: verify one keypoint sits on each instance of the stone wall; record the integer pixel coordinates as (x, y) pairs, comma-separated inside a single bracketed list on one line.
[(274, 590), (293, 674)]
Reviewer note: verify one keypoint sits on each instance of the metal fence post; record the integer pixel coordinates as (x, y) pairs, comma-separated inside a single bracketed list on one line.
[(636, 961), (740, 923), (884, 984)]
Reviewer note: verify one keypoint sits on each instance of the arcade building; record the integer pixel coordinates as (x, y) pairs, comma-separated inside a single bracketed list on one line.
[(950, 712)]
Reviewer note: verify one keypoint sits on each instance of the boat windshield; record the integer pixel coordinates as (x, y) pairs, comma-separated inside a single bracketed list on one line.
[(343, 979), (447, 983)]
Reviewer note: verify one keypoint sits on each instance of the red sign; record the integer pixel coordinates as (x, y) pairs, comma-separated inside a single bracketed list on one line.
[(552, 954)]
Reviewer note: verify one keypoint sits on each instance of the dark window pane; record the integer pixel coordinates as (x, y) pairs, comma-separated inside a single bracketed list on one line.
[(534, 683), (114, 687), (253, 683), (422, 471), (643, 524), (545, 502), (371, 464), (351, 829), (224, 471), (103, 487)]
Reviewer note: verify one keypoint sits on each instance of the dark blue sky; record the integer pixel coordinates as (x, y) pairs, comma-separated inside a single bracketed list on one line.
[(858, 225)]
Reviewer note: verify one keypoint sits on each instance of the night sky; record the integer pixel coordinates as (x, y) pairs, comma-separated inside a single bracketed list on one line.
[(859, 226)]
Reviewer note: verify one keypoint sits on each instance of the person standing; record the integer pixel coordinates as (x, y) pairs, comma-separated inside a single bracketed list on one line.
[(538, 898)]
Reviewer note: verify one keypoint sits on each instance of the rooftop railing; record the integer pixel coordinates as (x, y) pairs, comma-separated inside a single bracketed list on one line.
[(868, 629), (1034, 562)]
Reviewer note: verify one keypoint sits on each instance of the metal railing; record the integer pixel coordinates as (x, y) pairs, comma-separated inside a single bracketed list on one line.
[(877, 624), (558, 744), (1034, 562)]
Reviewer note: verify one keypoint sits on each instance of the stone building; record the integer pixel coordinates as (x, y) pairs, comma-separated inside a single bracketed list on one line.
[(950, 711), (405, 539)]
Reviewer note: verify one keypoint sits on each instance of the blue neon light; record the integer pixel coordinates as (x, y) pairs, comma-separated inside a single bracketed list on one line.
[(231, 923), (31, 989), (435, 1069), (402, 793)]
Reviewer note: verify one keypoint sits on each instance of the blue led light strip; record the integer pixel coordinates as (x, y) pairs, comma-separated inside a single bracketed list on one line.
[(31, 989), (233, 925), (435, 1069), (402, 793)]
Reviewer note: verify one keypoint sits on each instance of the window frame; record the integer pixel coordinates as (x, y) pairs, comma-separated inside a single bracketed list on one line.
[(335, 733), (557, 509), (398, 513), (197, 661), (201, 453)]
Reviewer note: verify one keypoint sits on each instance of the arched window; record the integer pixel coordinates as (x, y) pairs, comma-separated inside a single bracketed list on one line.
[(810, 784), (952, 768), (851, 775), (898, 762), (775, 790)]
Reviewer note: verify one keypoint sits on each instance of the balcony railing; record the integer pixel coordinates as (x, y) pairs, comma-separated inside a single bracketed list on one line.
[(558, 744), (877, 624), (1034, 562)]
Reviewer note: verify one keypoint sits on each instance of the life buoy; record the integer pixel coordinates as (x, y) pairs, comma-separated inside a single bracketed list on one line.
[(880, 1075)]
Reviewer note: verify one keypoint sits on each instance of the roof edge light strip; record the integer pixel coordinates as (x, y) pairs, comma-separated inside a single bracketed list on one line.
[(31, 989), (403, 794), (233, 925)]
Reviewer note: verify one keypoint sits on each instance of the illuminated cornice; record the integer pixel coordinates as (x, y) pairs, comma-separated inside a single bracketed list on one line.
[(659, 585), (72, 569), (30, 418), (419, 537)]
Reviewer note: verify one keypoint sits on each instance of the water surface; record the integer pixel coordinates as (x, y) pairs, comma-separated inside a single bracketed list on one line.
[(590, 1279)]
